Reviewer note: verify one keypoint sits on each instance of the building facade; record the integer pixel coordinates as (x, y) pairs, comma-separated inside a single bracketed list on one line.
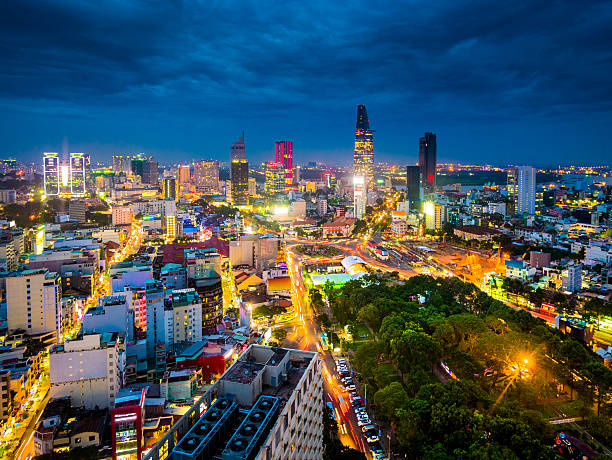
[(206, 176), (275, 179), (283, 154), (428, 161), (526, 190), (363, 156)]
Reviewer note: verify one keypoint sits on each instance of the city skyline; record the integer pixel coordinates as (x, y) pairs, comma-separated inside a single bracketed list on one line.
[(93, 84)]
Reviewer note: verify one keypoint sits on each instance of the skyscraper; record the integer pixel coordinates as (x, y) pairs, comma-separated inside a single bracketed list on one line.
[(413, 184), (184, 174), (363, 157), (169, 188), (526, 190), (275, 179), (239, 174), (51, 173), (427, 161), (150, 174), (512, 189), (284, 155), (77, 174), (206, 176)]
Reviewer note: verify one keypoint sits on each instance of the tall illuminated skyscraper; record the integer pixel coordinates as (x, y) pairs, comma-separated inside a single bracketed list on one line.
[(275, 179), (51, 173), (239, 174), (363, 157), (427, 161), (77, 174), (284, 155), (512, 188), (413, 185)]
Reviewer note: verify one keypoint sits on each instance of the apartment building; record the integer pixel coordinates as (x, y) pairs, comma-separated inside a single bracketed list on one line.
[(88, 369), (267, 406), (34, 301)]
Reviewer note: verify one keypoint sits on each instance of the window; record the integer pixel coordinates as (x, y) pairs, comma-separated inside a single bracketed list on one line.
[(77, 440), (92, 438)]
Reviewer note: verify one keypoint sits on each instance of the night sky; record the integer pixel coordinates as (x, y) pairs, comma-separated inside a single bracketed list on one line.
[(499, 82)]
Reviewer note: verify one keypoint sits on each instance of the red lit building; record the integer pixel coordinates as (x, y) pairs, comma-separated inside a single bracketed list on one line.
[(213, 358), (127, 421), (284, 155)]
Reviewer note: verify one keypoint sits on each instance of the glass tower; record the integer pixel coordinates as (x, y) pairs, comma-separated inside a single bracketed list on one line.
[(284, 155), (77, 174), (51, 173), (427, 161), (363, 157)]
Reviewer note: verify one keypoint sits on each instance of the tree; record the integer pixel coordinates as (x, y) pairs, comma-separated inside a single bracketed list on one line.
[(279, 334), (389, 399), (371, 317)]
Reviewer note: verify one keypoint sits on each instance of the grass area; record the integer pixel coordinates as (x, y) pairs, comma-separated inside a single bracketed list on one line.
[(318, 251)]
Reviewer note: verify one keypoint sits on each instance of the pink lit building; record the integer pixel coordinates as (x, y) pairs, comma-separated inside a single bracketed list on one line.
[(284, 155)]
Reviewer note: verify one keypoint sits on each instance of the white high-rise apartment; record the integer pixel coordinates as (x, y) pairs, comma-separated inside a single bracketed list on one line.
[(572, 278), (89, 370), (526, 190), (34, 301)]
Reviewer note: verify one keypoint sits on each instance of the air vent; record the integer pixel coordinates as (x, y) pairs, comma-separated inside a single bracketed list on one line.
[(238, 445), (256, 417), (248, 429), (201, 429), (190, 444), (265, 405), (212, 416)]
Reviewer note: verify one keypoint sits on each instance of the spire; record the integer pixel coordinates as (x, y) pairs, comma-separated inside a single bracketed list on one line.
[(362, 118)]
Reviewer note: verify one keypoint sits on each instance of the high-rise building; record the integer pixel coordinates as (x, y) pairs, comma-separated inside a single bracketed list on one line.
[(149, 172), (283, 154), (51, 173), (238, 151), (206, 176), (275, 179), (363, 157), (435, 215), (512, 189), (34, 301), (265, 406), (526, 190), (239, 174), (427, 161), (359, 196), (413, 184), (170, 188), (184, 174), (77, 174)]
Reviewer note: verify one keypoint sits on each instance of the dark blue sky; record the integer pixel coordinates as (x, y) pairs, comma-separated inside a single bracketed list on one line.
[(499, 82)]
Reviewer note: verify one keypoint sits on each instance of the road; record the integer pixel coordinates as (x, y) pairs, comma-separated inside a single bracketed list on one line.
[(40, 398), (307, 337)]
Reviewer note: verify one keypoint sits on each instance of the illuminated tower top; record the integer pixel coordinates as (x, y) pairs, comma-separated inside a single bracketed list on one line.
[(362, 118)]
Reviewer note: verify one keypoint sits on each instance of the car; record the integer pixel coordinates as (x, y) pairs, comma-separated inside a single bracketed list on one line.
[(351, 386), (340, 361), (364, 421), (356, 402), (371, 436), (368, 427)]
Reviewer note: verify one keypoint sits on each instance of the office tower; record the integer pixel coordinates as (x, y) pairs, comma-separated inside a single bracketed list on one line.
[(427, 161), (525, 190), (512, 189), (572, 278), (149, 172), (363, 157), (137, 163), (413, 184), (51, 173), (169, 188), (206, 176), (77, 174), (359, 196), (239, 174), (238, 151), (34, 301), (184, 175), (122, 164), (283, 154), (275, 179), (155, 292), (265, 406)]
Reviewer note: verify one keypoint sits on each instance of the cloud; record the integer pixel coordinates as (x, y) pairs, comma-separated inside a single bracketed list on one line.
[(472, 60)]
